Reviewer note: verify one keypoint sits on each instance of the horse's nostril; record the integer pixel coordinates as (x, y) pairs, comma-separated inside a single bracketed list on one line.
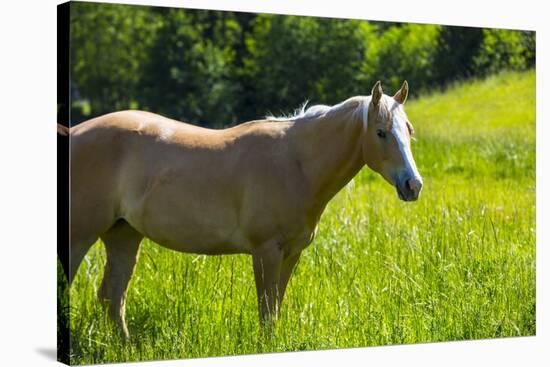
[(408, 185), (414, 185)]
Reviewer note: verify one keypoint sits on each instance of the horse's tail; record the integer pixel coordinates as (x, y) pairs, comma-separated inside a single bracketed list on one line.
[(63, 196), (62, 131)]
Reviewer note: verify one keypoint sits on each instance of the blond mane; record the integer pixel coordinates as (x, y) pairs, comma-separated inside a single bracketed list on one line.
[(360, 103)]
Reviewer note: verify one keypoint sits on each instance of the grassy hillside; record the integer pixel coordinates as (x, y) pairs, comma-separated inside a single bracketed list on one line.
[(457, 264)]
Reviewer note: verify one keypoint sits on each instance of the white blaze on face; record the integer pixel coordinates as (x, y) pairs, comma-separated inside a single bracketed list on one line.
[(400, 132), (365, 108)]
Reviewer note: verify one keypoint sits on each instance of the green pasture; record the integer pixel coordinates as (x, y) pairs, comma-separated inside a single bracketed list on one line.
[(457, 264)]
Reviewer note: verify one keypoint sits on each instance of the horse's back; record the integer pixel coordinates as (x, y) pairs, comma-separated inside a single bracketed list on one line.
[(133, 121), (113, 143)]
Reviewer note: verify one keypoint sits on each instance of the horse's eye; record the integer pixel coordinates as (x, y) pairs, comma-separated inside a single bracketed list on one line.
[(381, 134)]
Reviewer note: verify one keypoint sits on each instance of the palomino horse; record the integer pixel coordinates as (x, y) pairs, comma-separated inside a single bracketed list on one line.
[(257, 188)]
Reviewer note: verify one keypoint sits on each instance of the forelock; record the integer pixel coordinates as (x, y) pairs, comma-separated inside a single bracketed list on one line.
[(383, 113)]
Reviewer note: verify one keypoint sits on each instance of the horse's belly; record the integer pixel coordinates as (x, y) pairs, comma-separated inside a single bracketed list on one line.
[(188, 224), (201, 240), (202, 246)]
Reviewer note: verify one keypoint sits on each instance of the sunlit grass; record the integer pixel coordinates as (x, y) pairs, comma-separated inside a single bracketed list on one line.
[(457, 264)]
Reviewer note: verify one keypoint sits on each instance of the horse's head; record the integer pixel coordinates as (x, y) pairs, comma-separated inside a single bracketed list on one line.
[(386, 144)]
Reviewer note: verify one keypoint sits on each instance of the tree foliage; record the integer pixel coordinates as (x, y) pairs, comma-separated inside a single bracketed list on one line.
[(403, 52), (109, 44), (218, 68), (293, 59), (503, 49), (190, 75)]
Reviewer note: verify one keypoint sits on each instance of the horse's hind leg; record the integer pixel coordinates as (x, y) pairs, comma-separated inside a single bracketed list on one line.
[(122, 247), (79, 248)]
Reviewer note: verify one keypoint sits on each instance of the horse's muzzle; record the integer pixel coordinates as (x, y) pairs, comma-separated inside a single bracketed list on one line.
[(409, 189)]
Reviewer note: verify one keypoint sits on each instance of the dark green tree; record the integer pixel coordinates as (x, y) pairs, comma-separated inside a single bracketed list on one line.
[(293, 59), (504, 49), (456, 49), (109, 43), (404, 52), (189, 74), (216, 68)]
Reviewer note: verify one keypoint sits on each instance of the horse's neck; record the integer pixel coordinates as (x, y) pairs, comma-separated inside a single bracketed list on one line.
[(330, 152)]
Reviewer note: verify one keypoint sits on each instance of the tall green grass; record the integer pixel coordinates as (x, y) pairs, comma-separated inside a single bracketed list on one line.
[(457, 264)]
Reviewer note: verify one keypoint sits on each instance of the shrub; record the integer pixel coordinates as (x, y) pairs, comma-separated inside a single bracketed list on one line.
[(505, 49), (291, 59), (402, 52)]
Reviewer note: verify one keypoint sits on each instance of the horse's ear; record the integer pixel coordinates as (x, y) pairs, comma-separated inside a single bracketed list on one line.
[(376, 93), (402, 93)]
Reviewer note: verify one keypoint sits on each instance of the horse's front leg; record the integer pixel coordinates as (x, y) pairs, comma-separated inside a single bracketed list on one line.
[(267, 261), (288, 265)]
